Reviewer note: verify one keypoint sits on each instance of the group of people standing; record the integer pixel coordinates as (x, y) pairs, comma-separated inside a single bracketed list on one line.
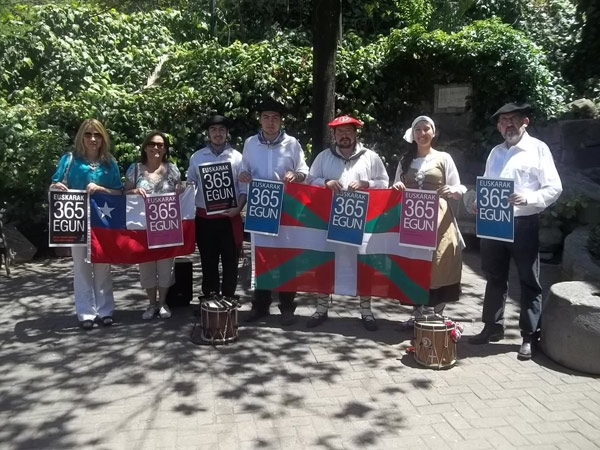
[(272, 154)]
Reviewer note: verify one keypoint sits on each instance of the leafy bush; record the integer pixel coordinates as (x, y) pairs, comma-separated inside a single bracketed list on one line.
[(391, 78), (565, 212), (60, 64)]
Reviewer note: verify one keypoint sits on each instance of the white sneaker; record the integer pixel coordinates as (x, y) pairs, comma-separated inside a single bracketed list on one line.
[(149, 313), (164, 312)]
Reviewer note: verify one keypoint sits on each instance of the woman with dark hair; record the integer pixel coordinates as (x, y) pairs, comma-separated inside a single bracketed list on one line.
[(423, 167), (154, 174), (91, 168)]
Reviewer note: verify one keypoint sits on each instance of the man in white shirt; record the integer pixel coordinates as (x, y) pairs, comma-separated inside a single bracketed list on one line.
[(528, 162), (272, 155), (347, 166), (218, 235)]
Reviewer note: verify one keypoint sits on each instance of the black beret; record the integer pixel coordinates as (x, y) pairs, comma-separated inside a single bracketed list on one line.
[(217, 119), (270, 104), (512, 107)]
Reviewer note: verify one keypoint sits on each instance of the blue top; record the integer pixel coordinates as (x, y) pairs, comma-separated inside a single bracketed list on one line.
[(81, 173)]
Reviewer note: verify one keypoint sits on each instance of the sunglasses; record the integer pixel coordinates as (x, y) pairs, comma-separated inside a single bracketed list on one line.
[(158, 145)]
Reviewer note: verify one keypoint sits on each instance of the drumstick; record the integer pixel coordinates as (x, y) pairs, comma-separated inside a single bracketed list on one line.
[(227, 303)]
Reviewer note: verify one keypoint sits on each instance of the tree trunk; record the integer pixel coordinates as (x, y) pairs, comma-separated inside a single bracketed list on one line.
[(325, 28)]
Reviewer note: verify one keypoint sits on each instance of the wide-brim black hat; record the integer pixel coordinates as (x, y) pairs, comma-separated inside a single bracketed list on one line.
[(270, 104), (512, 107), (217, 119)]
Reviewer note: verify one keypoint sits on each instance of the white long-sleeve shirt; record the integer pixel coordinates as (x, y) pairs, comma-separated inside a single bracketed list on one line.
[(205, 156), (362, 165), (531, 165), (272, 161)]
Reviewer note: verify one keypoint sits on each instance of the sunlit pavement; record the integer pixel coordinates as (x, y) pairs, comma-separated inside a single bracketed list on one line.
[(144, 385)]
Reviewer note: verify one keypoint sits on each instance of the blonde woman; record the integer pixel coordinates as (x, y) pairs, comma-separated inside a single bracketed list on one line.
[(91, 168)]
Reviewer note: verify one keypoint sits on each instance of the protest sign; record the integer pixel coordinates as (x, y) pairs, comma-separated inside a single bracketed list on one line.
[(263, 213), (68, 218)]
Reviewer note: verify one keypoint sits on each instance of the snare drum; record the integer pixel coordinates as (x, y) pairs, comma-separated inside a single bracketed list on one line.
[(434, 346), (219, 322)]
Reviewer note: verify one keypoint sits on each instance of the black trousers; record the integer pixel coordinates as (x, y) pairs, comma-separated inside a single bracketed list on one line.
[(262, 300), (215, 241), (495, 262)]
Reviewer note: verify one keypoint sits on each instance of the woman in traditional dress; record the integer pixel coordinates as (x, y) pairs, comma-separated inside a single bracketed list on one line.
[(423, 167)]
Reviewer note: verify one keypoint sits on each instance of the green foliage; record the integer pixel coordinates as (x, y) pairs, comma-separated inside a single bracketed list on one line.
[(593, 243), (565, 212), (61, 64), (391, 78), (551, 24), (583, 68)]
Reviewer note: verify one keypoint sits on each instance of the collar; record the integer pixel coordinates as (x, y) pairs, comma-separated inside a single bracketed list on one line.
[(216, 152), (280, 137), (359, 150), (523, 143)]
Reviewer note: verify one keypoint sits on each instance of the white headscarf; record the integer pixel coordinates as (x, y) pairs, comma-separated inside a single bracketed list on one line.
[(409, 135)]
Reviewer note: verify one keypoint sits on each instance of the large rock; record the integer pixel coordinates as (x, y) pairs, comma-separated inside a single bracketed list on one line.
[(571, 325), (580, 143), (577, 263), (24, 250)]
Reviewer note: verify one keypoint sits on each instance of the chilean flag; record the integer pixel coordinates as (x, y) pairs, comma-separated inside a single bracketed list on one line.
[(118, 229)]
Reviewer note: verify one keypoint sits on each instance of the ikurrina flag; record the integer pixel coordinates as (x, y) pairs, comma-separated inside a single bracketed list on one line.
[(118, 229), (300, 258)]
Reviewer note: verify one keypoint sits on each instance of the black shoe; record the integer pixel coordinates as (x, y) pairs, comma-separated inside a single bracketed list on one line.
[(488, 334), (316, 319), (107, 321), (287, 315), (255, 315), (526, 350), (369, 322), (287, 318), (86, 324)]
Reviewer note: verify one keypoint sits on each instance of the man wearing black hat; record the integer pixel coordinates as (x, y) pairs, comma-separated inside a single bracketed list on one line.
[(218, 235), (272, 155), (528, 162), (347, 166)]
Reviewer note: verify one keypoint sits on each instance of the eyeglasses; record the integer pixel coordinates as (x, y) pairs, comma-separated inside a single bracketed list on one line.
[(516, 119), (89, 135), (158, 145)]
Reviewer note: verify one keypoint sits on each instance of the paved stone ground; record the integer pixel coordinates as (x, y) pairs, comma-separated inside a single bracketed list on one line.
[(144, 385)]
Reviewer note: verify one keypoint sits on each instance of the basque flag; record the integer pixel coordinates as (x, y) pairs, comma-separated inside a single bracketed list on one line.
[(118, 229), (300, 258)]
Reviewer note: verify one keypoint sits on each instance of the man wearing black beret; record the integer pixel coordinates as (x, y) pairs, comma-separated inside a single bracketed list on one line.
[(528, 162), (272, 154), (218, 236)]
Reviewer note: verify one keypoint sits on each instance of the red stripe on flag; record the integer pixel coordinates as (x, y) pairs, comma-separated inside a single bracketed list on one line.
[(380, 200), (269, 258), (373, 283), (290, 221), (319, 279), (316, 198), (417, 270), (130, 246)]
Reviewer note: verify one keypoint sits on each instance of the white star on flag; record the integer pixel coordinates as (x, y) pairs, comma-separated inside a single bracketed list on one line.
[(105, 211)]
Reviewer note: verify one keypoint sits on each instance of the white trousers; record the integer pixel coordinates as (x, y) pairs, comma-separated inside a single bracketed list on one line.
[(364, 305), (92, 284), (157, 273)]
